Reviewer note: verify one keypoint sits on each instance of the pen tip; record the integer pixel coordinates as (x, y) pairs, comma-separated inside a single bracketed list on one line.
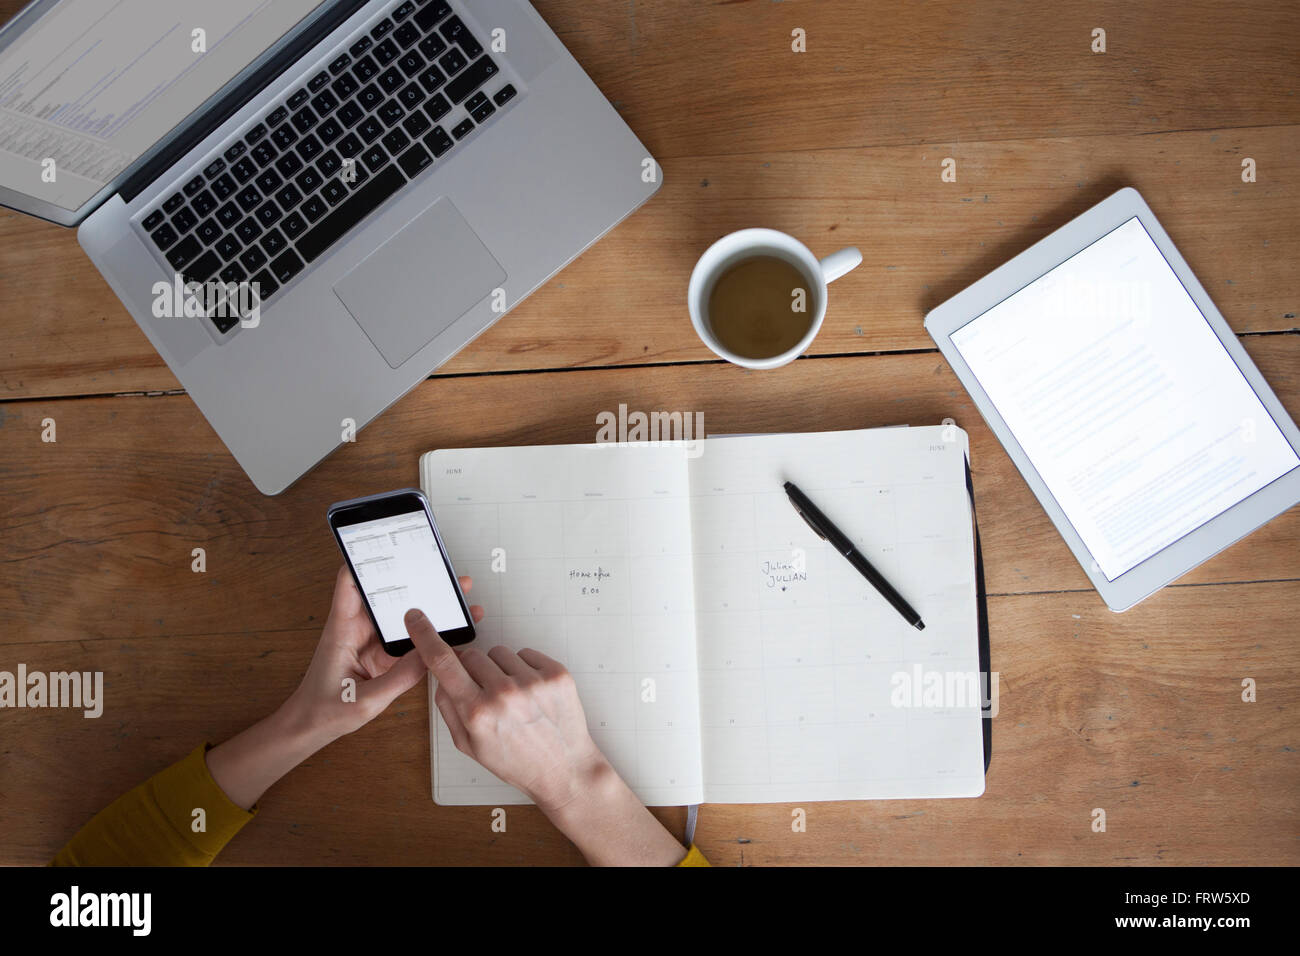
[(920, 625)]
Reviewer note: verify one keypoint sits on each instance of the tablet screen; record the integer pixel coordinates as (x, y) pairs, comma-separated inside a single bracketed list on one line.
[(1124, 399)]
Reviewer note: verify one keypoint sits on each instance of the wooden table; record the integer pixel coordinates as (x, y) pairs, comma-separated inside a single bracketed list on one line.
[(1139, 714)]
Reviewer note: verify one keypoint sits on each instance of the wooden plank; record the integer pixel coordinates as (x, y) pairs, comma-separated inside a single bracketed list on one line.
[(623, 302), (99, 526), (1137, 714)]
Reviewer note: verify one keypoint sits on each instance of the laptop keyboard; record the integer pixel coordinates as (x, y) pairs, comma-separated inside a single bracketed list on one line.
[(277, 198)]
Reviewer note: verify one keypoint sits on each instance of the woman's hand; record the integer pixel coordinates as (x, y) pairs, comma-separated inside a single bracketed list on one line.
[(323, 708), (520, 717)]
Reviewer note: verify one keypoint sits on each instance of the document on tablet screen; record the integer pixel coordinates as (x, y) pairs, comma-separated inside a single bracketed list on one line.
[(1124, 399)]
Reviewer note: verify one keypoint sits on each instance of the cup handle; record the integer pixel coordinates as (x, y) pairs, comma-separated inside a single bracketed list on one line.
[(840, 263)]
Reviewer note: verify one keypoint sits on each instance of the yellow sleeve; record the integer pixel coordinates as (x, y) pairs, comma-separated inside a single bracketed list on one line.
[(153, 825), (694, 858)]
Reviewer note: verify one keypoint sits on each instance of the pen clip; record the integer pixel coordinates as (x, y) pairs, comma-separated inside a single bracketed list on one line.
[(819, 532)]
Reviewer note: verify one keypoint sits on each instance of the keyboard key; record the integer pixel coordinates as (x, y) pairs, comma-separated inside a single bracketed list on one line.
[(455, 31), (481, 113), (163, 237), (453, 61), (277, 116), (304, 120), (391, 80), (386, 53), (228, 247), (416, 124), (248, 199), (228, 215), (432, 78), (224, 323), (324, 103), (174, 202), (268, 214), (414, 159), (266, 286), (330, 130), (475, 101), (288, 164), (253, 258), (153, 220), (273, 242), (232, 154), (288, 197), (203, 203), (309, 148), (431, 14), (406, 34), (374, 158), (437, 107), (284, 136), (411, 64), (203, 268), (349, 145), (318, 82), (369, 98), (208, 231), (350, 212), (194, 185), (333, 192), (184, 221), (350, 114), (314, 208), (233, 273), (396, 141), (184, 251), (463, 129), (264, 152), (309, 181), (479, 72), (269, 181), (254, 134), (214, 168), (382, 29), (286, 267), (438, 141), (504, 95), (403, 11), (329, 164), (391, 112), (360, 47), (365, 69), (244, 170), (370, 129), (432, 46), (345, 86), (294, 225), (341, 64), (298, 98), (248, 230), (223, 187)]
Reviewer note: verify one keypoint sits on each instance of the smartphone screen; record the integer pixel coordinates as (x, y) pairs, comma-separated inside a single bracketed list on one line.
[(398, 563)]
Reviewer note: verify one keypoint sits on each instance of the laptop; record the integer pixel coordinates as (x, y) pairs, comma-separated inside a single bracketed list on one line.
[(308, 206)]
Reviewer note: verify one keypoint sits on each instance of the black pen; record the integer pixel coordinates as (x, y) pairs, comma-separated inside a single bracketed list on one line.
[(828, 532)]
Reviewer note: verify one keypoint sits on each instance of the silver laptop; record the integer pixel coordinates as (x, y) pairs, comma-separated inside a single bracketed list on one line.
[(308, 206)]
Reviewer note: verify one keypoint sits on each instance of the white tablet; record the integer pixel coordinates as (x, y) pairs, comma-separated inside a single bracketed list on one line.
[(1124, 398)]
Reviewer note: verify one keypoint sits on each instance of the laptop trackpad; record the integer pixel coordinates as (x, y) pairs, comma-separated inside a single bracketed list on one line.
[(419, 282)]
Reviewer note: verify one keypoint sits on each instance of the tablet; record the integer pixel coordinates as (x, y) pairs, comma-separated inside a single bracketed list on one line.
[(1127, 403)]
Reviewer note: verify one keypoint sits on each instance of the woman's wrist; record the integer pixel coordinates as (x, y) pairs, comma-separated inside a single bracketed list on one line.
[(248, 764)]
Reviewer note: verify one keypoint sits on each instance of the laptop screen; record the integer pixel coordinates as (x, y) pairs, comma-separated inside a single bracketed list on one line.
[(93, 84)]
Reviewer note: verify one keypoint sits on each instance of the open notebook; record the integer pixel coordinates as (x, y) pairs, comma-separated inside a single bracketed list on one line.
[(723, 652)]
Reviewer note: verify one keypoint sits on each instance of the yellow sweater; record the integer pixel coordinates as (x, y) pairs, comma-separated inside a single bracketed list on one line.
[(156, 825)]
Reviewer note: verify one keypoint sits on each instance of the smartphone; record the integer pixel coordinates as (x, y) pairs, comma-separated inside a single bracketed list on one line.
[(398, 562)]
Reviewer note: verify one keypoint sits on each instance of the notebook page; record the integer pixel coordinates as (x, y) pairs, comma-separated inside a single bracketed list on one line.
[(591, 545), (799, 656)]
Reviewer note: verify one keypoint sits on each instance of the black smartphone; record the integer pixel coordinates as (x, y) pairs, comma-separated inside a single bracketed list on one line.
[(398, 562)]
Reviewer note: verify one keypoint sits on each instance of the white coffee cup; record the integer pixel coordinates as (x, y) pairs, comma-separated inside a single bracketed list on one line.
[(746, 244)]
